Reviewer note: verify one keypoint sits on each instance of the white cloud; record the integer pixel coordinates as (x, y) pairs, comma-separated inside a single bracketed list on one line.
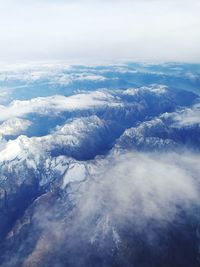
[(55, 104), (140, 186), (142, 193), (140, 30), (188, 116), (14, 126), (90, 77)]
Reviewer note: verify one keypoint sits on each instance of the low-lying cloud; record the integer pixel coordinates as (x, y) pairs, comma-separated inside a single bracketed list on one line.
[(55, 104), (126, 191)]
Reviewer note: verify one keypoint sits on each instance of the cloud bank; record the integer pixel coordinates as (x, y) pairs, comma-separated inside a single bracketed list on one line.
[(55, 104), (100, 30)]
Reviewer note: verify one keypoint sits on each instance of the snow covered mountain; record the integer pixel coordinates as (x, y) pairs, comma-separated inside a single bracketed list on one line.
[(99, 165)]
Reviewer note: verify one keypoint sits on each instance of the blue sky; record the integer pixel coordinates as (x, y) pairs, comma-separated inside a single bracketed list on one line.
[(143, 30)]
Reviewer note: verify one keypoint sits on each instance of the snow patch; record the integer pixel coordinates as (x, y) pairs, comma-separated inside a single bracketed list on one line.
[(75, 173)]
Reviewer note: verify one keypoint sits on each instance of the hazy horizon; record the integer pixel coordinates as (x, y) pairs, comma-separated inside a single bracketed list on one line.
[(140, 31)]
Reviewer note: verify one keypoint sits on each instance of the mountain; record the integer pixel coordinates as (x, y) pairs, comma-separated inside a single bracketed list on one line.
[(99, 166)]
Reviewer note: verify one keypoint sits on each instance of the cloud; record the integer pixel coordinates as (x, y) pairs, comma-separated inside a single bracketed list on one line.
[(143, 194), (14, 126), (141, 186), (54, 104), (90, 77), (188, 116), (93, 30)]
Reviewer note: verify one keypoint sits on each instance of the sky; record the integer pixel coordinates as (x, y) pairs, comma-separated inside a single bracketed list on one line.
[(97, 30)]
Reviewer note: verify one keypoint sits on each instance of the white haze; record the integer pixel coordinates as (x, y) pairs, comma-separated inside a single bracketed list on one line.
[(126, 189), (91, 30)]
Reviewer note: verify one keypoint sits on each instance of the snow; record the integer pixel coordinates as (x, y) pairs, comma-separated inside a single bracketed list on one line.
[(14, 126), (75, 173), (11, 151)]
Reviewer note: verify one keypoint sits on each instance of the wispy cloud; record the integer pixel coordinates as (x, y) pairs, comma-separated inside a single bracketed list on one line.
[(142, 192)]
